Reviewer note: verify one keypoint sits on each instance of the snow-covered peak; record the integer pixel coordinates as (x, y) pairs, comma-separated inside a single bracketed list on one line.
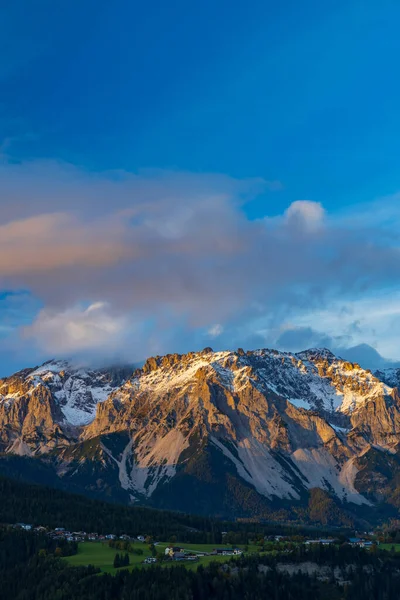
[(317, 379), (174, 371), (285, 421), (390, 376), (314, 379), (76, 389), (316, 353), (53, 366)]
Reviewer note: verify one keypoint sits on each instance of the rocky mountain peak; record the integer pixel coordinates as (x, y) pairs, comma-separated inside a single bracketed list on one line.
[(317, 354), (313, 379), (66, 393), (390, 376), (279, 422)]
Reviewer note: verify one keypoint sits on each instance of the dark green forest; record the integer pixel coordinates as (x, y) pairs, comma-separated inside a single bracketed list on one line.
[(214, 499), (31, 570), (32, 565), (39, 505)]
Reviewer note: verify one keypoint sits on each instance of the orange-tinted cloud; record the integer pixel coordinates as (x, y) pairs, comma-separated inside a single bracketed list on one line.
[(176, 249)]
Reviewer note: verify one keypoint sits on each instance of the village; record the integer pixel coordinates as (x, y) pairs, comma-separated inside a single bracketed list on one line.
[(164, 552), (170, 553)]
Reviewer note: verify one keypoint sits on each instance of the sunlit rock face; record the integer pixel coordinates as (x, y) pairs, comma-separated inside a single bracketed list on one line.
[(40, 408), (273, 423)]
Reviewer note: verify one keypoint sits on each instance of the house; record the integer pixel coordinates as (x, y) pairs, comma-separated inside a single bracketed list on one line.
[(355, 541), (169, 551), (141, 538), (237, 551), (366, 544), (24, 526), (111, 536), (223, 551), (149, 560), (179, 556)]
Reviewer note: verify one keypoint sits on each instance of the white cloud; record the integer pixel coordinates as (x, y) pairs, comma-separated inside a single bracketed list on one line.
[(77, 329), (306, 215), (216, 330), (373, 319), (156, 261)]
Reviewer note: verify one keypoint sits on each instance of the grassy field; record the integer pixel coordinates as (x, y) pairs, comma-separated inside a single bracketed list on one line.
[(389, 547), (100, 555)]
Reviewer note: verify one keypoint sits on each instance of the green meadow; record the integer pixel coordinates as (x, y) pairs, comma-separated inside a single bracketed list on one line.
[(389, 547), (100, 555)]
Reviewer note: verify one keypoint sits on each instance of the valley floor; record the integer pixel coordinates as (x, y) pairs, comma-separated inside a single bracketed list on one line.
[(99, 554)]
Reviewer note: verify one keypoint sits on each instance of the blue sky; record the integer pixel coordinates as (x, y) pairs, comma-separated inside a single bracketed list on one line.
[(229, 111)]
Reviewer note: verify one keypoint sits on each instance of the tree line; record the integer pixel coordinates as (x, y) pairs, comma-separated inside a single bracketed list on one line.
[(40, 505)]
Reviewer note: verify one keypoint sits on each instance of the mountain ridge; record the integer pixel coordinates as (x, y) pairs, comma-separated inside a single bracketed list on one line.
[(271, 424)]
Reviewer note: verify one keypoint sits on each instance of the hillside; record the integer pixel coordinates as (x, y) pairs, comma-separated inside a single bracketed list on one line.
[(49, 507)]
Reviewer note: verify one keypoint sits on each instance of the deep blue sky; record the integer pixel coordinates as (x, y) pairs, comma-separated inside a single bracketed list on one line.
[(304, 93)]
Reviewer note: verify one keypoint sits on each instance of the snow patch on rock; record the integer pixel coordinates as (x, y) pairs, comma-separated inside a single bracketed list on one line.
[(76, 390)]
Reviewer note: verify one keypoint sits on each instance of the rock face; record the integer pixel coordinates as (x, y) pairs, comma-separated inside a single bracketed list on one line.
[(227, 432), (41, 408)]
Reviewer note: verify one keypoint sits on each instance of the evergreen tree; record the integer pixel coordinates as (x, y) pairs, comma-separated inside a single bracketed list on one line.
[(117, 561)]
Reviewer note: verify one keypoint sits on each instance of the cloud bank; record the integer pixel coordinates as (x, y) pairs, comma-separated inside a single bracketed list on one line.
[(165, 261)]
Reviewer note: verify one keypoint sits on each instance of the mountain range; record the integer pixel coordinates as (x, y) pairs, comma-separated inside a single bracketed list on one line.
[(233, 434)]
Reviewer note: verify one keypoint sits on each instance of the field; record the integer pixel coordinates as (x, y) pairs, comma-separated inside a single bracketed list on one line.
[(389, 547), (100, 555)]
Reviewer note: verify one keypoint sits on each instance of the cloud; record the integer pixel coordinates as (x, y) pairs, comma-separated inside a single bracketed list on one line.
[(370, 319), (48, 242), (295, 339), (305, 215), (160, 261), (130, 240), (76, 330), (216, 330)]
